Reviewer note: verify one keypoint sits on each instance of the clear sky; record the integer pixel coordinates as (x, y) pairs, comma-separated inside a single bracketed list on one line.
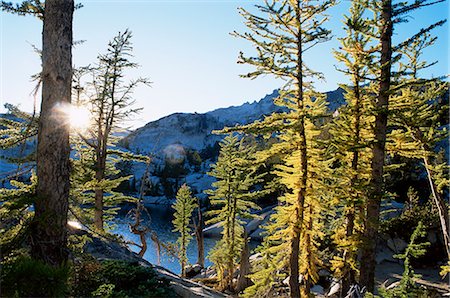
[(184, 47)]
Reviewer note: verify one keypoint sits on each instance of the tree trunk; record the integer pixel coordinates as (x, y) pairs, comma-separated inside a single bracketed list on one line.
[(349, 277), (305, 289), (441, 207), (99, 176), (376, 184), (294, 285), (244, 267), (49, 229), (200, 237)]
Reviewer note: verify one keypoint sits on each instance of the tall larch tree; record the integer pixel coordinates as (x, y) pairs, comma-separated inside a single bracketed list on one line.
[(49, 231), (351, 133), (386, 14), (281, 33), (385, 28), (232, 198)]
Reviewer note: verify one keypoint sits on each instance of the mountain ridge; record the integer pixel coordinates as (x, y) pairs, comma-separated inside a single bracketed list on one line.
[(194, 130)]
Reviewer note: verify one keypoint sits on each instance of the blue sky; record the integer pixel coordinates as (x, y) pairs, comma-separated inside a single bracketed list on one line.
[(184, 47)]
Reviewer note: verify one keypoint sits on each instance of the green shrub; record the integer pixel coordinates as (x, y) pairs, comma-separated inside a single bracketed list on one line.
[(113, 278), (22, 276)]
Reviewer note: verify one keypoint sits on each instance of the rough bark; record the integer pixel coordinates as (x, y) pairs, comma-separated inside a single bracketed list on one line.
[(49, 231), (305, 289), (376, 184), (350, 275), (243, 281), (199, 236)]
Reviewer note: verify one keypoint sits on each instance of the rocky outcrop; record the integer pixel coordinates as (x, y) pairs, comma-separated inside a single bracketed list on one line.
[(254, 227)]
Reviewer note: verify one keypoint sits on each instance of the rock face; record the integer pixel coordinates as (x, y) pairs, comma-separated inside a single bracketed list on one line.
[(194, 131)]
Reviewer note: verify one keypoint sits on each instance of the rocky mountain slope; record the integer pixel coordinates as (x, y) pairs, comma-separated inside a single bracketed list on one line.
[(193, 131)]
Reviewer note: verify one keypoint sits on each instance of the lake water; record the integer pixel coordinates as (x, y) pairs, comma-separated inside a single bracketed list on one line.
[(160, 222)]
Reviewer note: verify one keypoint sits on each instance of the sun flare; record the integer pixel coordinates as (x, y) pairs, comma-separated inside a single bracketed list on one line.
[(79, 117)]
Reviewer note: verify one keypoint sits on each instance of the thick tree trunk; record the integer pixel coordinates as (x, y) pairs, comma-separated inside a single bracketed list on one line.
[(49, 234), (376, 184)]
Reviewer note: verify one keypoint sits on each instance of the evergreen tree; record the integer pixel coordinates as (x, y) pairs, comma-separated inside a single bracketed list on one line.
[(233, 195), (281, 34), (17, 127), (184, 206)]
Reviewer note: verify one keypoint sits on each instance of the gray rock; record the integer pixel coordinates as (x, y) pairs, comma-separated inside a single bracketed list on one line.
[(255, 257), (257, 234), (385, 255), (324, 273), (318, 290), (286, 280), (397, 245)]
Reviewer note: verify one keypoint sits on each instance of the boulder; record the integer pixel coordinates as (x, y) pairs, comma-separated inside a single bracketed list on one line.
[(257, 234), (432, 237), (324, 273), (255, 257), (397, 245), (318, 290), (384, 255)]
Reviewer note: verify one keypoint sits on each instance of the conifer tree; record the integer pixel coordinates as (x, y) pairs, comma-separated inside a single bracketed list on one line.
[(415, 249), (184, 206), (233, 195), (49, 230), (416, 116), (386, 13), (281, 34), (110, 101), (350, 131)]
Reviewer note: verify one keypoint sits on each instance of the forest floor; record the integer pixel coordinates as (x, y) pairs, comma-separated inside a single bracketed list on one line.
[(388, 272)]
